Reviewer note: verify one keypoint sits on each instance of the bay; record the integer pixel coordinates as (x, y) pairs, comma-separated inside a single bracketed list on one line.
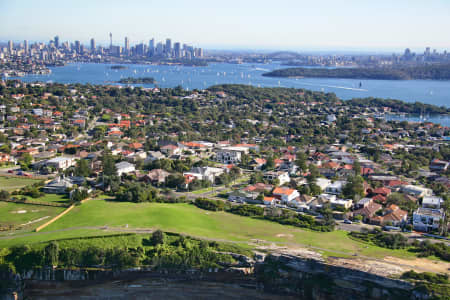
[(427, 91)]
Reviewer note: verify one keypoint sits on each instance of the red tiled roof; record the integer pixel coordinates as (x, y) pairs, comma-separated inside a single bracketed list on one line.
[(283, 191)]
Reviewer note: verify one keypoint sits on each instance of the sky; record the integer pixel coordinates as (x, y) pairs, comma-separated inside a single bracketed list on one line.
[(379, 25)]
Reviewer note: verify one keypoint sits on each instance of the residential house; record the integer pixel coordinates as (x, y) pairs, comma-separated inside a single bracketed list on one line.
[(61, 162), (230, 155), (154, 155), (283, 177), (242, 196), (205, 173), (170, 150), (367, 208), (61, 185), (156, 176), (341, 203), (393, 215), (416, 191), (427, 219), (336, 187), (124, 167), (439, 165), (285, 194)]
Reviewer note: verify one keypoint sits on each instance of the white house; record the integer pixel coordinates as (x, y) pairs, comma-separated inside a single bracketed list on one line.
[(283, 177), (323, 183), (335, 188), (124, 167), (432, 202), (427, 219), (285, 194), (416, 191), (61, 162), (205, 173), (230, 155), (343, 203), (243, 197)]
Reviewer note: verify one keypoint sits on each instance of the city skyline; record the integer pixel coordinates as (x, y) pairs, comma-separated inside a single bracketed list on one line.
[(289, 25)]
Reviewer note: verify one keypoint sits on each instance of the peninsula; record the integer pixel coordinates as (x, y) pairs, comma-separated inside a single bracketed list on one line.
[(141, 80), (421, 72)]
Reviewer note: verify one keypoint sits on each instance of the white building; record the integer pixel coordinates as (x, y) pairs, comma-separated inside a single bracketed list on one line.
[(416, 191), (432, 202), (285, 194), (427, 219), (283, 177), (124, 167), (230, 155), (61, 162), (205, 173), (335, 188)]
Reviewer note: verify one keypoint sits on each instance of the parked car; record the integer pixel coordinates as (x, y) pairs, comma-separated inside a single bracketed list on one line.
[(346, 221), (10, 171)]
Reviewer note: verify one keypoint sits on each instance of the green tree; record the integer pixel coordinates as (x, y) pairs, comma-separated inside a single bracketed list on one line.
[(51, 254), (158, 237), (82, 168)]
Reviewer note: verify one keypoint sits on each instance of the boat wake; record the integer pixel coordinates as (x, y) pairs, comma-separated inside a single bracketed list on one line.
[(336, 87)]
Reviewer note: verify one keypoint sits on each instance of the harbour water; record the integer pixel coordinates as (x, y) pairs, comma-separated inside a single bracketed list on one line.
[(426, 91)]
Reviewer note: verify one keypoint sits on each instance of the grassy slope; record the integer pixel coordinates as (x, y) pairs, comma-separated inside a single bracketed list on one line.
[(9, 215), (13, 183), (188, 219)]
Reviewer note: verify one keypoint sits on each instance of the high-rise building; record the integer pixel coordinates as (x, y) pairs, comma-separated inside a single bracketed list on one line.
[(25, 46), (56, 40), (78, 47), (169, 46), (151, 47), (10, 46), (140, 49), (127, 46), (159, 49), (92, 45), (110, 40), (177, 50)]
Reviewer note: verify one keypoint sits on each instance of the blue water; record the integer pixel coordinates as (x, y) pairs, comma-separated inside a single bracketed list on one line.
[(444, 120), (427, 91)]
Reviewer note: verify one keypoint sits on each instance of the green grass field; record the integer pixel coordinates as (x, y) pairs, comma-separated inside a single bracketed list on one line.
[(51, 198), (190, 220), (13, 183), (18, 214)]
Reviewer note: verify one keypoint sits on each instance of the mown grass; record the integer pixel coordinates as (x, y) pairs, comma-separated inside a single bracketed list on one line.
[(51, 198), (190, 220), (13, 183), (17, 214)]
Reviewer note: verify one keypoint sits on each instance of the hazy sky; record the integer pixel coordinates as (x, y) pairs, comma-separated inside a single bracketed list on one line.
[(253, 24)]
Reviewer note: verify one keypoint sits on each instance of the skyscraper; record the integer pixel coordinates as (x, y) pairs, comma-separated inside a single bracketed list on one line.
[(78, 47), (10, 46), (151, 47), (127, 46), (177, 50), (25, 45), (92, 45), (56, 42), (110, 39), (169, 46)]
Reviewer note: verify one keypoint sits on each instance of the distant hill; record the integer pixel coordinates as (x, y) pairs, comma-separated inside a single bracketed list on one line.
[(434, 72)]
